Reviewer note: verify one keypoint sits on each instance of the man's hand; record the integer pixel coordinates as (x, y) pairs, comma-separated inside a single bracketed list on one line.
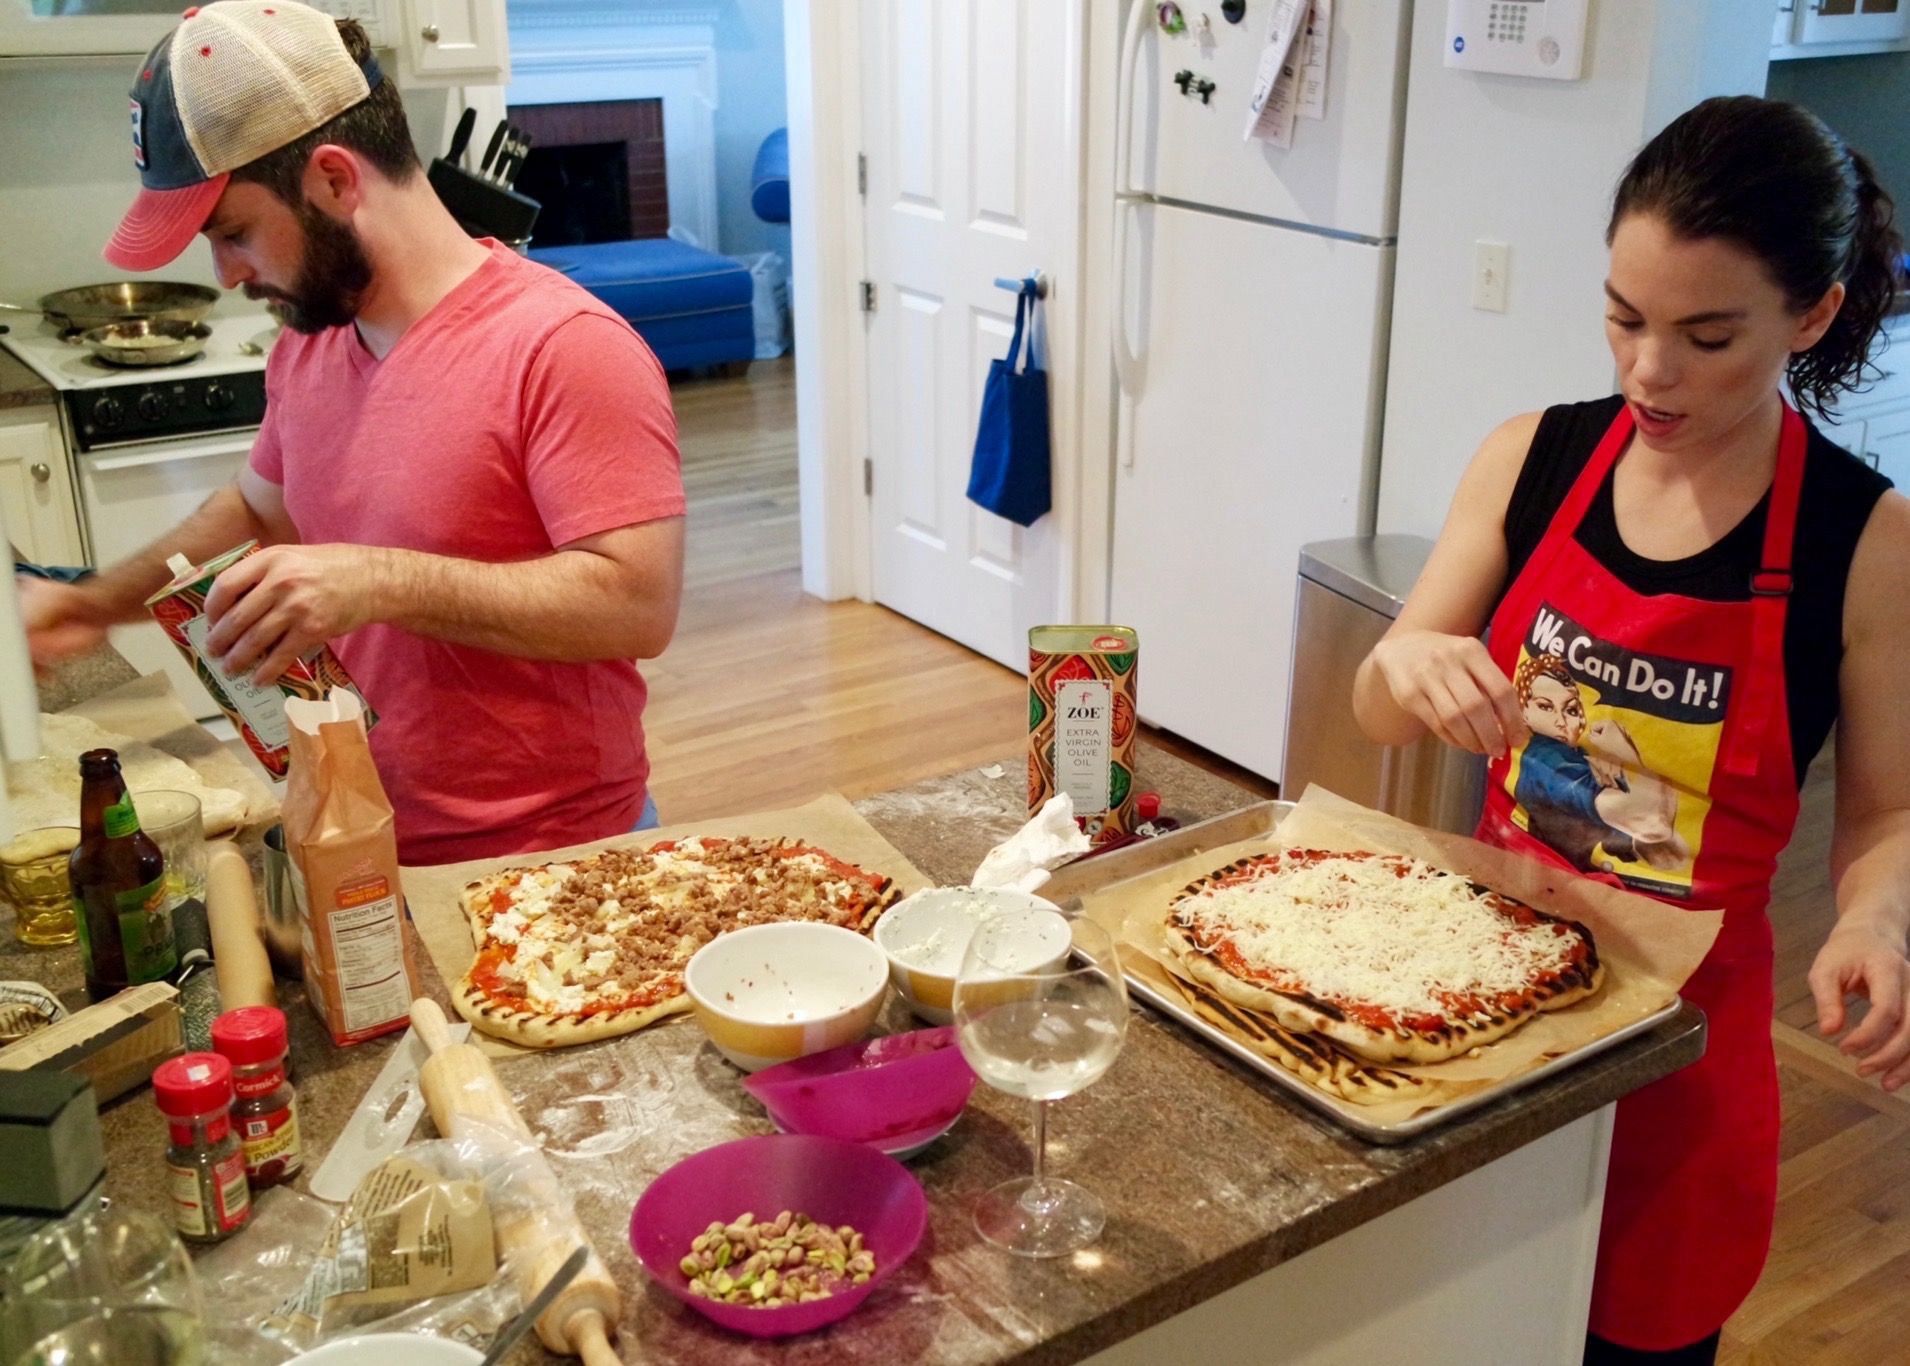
[(62, 621), (1868, 960), (273, 608), (1451, 685)]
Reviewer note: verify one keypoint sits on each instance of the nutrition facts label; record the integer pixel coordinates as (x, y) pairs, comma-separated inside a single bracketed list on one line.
[(368, 940)]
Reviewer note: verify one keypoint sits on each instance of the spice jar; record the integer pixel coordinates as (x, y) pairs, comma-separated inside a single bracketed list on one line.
[(252, 1039), (210, 1199)]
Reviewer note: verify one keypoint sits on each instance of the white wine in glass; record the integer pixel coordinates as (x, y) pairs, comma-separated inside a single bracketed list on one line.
[(1040, 1013)]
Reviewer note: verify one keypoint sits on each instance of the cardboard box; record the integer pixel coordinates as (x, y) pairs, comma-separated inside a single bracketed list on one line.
[(115, 1045)]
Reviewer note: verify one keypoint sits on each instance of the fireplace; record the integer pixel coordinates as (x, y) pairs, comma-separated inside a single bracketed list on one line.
[(598, 168)]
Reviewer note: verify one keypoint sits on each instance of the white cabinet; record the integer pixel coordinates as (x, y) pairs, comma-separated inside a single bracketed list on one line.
[(1839, 28), (1887, 445), (1852, 21), (36, 488), (455, 42)]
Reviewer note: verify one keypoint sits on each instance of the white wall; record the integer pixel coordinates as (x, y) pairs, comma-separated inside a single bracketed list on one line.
[(750, 106), (67, 174), (1531, 163)]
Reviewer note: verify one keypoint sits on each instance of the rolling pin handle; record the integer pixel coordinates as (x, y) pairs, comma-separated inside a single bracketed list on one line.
[(586, 1333), (427, 1017)]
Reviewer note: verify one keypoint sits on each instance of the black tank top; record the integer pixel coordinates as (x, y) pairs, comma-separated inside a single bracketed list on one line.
[(1838, 495)]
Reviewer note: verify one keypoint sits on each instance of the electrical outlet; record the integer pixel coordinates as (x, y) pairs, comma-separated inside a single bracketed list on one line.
[(1490, 263)]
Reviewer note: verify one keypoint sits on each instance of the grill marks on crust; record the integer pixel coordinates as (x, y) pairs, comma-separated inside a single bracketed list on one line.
[(1299, 1013), (1308, 1056)]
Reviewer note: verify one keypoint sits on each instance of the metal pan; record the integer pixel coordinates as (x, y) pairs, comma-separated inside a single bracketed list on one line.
[(91, 306), (1103, 871), (147, 342)]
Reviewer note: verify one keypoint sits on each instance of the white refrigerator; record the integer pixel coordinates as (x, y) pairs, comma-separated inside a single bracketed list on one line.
[(1253, 285)]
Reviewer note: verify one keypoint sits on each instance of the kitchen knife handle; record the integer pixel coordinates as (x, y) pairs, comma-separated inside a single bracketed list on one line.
[(497, 141), (462, 137)]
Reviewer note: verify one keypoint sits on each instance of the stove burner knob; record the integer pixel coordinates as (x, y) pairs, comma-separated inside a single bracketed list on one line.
[(108, 412), (218, 399), (152, 406)]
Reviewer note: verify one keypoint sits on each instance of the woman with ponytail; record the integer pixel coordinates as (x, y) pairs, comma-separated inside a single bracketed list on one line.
[(1720, 582)]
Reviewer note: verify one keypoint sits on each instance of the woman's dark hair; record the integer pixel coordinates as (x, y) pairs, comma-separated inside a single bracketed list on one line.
[(1774, 179), (375, 128)]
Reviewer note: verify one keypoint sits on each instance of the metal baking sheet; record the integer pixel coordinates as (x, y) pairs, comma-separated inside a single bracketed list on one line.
[(1104, 871)]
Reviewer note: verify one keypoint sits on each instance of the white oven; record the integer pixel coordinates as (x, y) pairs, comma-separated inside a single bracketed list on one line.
[(129, 495), (147, 446), (72, 28)]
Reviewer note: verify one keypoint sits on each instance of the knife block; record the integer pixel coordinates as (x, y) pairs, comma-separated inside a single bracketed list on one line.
[(483, 209)]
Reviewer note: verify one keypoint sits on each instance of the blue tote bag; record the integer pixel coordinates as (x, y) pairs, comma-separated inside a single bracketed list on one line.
[(1010, 475)]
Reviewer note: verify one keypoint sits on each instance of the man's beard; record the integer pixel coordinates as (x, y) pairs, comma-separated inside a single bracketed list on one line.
[(332, 277)]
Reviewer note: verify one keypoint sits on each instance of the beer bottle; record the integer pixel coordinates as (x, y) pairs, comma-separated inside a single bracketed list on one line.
[(119, 885)]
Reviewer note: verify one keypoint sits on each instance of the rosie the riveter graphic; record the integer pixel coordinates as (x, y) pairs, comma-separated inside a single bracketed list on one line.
[(1616, 772)]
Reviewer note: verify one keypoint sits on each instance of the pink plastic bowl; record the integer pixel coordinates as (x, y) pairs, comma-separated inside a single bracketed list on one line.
[(829, 1179), (892, 1093)]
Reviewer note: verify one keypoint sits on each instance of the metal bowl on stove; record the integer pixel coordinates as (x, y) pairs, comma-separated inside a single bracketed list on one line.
[(147, 342), (91, 306)]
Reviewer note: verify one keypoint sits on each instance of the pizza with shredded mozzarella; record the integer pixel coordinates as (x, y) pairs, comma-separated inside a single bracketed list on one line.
[(1394, 960), (595, 947)]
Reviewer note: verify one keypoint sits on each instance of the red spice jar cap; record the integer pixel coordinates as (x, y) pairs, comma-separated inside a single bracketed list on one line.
[(250, 1035), (193, 1084), (1147, 806)]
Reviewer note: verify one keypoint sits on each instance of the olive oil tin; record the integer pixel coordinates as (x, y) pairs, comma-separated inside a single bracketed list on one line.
[(1081, 723)]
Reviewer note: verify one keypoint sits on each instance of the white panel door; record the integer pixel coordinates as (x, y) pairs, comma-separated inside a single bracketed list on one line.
[(965, 123), (1253, 432)]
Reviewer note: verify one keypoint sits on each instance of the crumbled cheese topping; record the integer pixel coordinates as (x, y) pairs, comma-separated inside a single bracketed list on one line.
[(1397, 934)]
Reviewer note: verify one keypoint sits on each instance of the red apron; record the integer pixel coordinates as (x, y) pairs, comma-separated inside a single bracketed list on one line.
[(1661, 761)]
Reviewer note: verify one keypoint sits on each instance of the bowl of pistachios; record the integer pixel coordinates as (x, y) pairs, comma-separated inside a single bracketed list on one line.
[(781, 1234)]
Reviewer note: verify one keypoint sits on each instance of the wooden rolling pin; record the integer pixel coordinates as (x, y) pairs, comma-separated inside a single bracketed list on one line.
[(460, 1088), (232, 916)]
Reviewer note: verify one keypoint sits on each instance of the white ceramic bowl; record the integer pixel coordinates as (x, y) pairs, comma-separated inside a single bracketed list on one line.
[(770, 993), (390, 1349), (924, 937)]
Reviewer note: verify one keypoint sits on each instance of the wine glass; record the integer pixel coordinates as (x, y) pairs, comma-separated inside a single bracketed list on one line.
[(116, 1286), (1033, 1022)]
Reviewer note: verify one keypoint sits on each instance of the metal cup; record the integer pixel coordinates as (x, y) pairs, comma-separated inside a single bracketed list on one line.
[(282, 931)]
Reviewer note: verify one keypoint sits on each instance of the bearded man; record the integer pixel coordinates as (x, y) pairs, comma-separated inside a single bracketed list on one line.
[(467, 479)]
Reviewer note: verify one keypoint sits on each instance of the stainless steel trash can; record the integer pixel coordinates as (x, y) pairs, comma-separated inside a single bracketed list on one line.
[(1349, 592)]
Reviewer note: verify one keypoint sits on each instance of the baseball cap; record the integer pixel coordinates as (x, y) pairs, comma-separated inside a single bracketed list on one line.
[(235, 80)]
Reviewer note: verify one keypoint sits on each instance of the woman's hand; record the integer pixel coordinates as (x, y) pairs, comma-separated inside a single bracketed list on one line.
[(1450, 684), (1867, 960)]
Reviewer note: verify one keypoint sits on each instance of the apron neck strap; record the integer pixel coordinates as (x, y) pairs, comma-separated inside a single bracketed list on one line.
[(1763, 680)]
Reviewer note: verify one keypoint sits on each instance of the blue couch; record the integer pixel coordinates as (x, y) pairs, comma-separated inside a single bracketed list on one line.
[(692, 306)]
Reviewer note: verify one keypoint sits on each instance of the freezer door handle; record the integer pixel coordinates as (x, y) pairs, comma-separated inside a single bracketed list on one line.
[(1127, 367)]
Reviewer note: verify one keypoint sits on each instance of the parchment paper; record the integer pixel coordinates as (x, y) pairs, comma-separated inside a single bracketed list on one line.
[(148, 709), (1649, 948), (828, 822)]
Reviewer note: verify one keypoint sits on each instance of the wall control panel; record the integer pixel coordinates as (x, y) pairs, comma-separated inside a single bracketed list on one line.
[(1543, 38)]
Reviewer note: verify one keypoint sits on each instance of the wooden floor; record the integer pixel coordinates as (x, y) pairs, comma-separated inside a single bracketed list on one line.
[(768, 696)]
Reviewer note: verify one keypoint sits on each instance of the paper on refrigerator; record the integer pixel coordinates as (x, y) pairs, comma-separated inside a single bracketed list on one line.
[(1275, 103), (1317, 45)]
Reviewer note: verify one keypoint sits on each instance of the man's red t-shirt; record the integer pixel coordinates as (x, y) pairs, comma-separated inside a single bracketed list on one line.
[(518, 415)]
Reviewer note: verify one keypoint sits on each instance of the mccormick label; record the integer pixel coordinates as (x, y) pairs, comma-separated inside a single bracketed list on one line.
[(1081, 723), (257, 712)]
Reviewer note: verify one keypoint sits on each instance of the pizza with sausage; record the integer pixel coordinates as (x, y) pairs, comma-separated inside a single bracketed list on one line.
[(1392, 959), (595, 947)]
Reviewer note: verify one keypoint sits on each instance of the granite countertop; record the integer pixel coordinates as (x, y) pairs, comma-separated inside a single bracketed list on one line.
[(20, 386), (1241, 1179)]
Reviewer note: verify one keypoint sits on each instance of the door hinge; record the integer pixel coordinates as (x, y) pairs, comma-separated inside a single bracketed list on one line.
[(868, 477), (862, 174), (868, 296)]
